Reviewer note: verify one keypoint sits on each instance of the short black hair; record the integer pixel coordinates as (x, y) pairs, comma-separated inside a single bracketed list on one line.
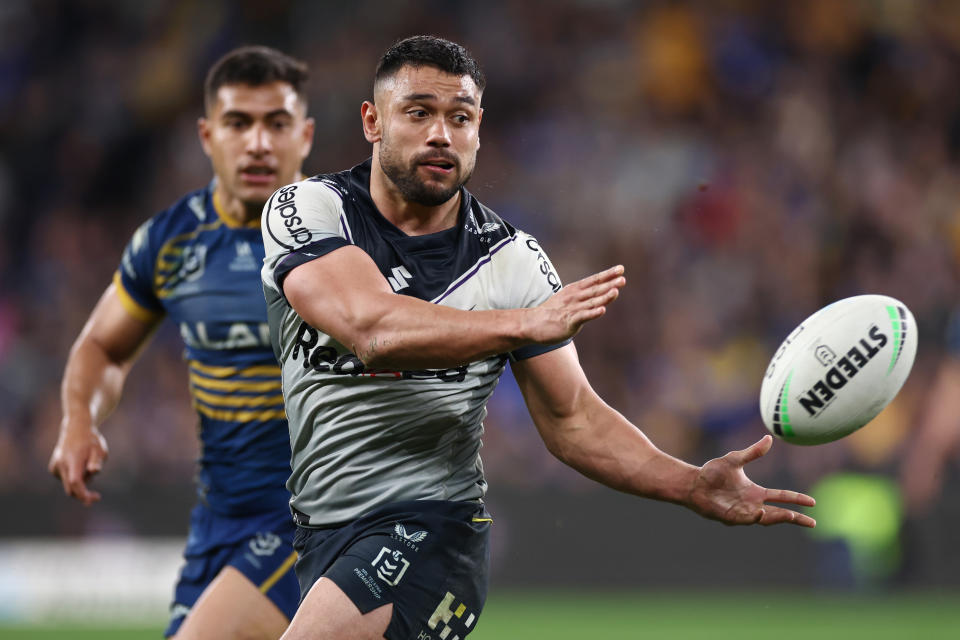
[(255, 66), (419, 51)]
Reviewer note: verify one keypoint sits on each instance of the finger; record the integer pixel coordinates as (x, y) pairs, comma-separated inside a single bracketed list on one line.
[(778, 515), (601, 299), (607, 274), (95, 463), (580, 318), (73, 480), (89, 497), (54, 465), (789, 497), (751, 453), (63, 472), (599, 279), (593, 294)]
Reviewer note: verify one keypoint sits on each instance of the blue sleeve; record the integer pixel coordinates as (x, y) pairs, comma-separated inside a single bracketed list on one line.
[(135, 276)]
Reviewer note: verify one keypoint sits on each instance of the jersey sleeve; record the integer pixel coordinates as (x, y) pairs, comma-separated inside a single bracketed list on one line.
[(301, 222), (134, 278), (536, 281)]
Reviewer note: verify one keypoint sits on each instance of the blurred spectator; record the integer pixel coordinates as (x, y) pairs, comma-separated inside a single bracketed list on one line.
[(747, 161)]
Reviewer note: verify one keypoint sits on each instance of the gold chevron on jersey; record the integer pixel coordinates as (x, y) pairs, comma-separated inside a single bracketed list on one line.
[(170, 259)]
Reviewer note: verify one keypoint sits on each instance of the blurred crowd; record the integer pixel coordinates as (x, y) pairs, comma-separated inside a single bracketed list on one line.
[(747, 161)]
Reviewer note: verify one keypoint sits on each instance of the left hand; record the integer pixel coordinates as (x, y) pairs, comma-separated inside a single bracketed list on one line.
[(722, 491)]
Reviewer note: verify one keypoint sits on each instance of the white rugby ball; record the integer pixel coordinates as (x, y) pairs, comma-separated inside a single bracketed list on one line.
[(838, 369)]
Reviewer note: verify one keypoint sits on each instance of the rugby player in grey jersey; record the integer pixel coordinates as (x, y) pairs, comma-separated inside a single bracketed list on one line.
[(385, 393)]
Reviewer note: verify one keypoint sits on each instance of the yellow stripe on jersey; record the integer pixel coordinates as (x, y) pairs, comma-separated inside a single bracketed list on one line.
[(276, 575), (249, 402), (235, 385), (133, 307), (229, 372), (228, 415), (482, 520), (231, 223)]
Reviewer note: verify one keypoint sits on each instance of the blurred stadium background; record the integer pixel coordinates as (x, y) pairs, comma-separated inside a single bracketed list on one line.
[(748, 161)]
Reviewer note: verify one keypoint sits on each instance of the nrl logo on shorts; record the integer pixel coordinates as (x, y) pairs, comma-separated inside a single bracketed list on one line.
[(409, 539), (264, 544), (391, 565)]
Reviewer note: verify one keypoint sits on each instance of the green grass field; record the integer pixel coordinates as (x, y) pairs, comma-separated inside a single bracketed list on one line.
[(680, 616)]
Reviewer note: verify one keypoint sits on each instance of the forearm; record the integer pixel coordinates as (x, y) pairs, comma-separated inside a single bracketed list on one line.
[(92, 385), (407, 333), (601, 444)]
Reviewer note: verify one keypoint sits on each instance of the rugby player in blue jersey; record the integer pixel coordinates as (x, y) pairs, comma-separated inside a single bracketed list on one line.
[(198, 263), (385, 393)]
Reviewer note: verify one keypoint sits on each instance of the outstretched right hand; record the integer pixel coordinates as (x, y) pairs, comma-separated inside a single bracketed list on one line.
[(78, 456), (565, 312)]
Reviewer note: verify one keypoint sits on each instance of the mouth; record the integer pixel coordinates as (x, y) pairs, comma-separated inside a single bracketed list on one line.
[(258, 175), (440, 166)]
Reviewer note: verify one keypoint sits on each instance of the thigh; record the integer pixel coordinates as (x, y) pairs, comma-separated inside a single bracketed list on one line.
[(250, 578), (327, 612), (428, 560), (233, 608)]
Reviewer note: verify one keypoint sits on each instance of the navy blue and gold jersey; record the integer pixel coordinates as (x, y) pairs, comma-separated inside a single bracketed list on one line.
[(195, 265)]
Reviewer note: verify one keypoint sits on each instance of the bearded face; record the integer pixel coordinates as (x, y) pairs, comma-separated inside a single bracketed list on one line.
[(429, 178)]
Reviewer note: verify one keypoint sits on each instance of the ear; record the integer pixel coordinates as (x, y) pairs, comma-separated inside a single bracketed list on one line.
[(309, 126), (203, 132), (370, 116)]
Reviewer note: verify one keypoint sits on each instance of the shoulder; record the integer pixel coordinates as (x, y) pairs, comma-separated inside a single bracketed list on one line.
[(183, 216), (186, 214), (517, 252), (316, 192), (484, 223), (302, 213)]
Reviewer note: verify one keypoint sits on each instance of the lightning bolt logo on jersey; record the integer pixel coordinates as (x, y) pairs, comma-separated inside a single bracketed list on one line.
[(186, 263)]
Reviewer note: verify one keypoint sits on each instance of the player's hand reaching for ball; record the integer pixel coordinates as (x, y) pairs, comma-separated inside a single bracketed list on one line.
[(78, 456), (722, 491), (565, 312)]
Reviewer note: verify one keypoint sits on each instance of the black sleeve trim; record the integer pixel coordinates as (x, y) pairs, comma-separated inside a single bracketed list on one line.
[(304, 255), (532, 350)]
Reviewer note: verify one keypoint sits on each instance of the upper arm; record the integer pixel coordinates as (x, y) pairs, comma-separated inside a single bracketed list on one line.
[(338, 293), (556, 390), (113, 329)]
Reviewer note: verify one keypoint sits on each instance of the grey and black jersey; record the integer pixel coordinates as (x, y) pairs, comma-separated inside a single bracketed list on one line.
[(361, 438)]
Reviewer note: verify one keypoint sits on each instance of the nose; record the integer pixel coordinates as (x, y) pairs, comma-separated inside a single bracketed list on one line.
[(439, 133), (259, 142)]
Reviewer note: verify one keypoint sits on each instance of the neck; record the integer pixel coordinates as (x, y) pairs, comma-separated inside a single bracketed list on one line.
[(411, 218), (234, 209)]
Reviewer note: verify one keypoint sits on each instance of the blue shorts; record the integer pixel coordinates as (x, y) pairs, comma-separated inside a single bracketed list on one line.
[(430, 558), (260, 547)]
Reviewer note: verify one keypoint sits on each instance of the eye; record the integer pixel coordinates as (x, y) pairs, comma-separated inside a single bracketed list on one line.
[(461, 118), (237, 124), (280, 125), (418, 113)]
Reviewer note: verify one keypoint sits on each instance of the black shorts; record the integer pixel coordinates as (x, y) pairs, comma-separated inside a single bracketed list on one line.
[(430, 558)]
